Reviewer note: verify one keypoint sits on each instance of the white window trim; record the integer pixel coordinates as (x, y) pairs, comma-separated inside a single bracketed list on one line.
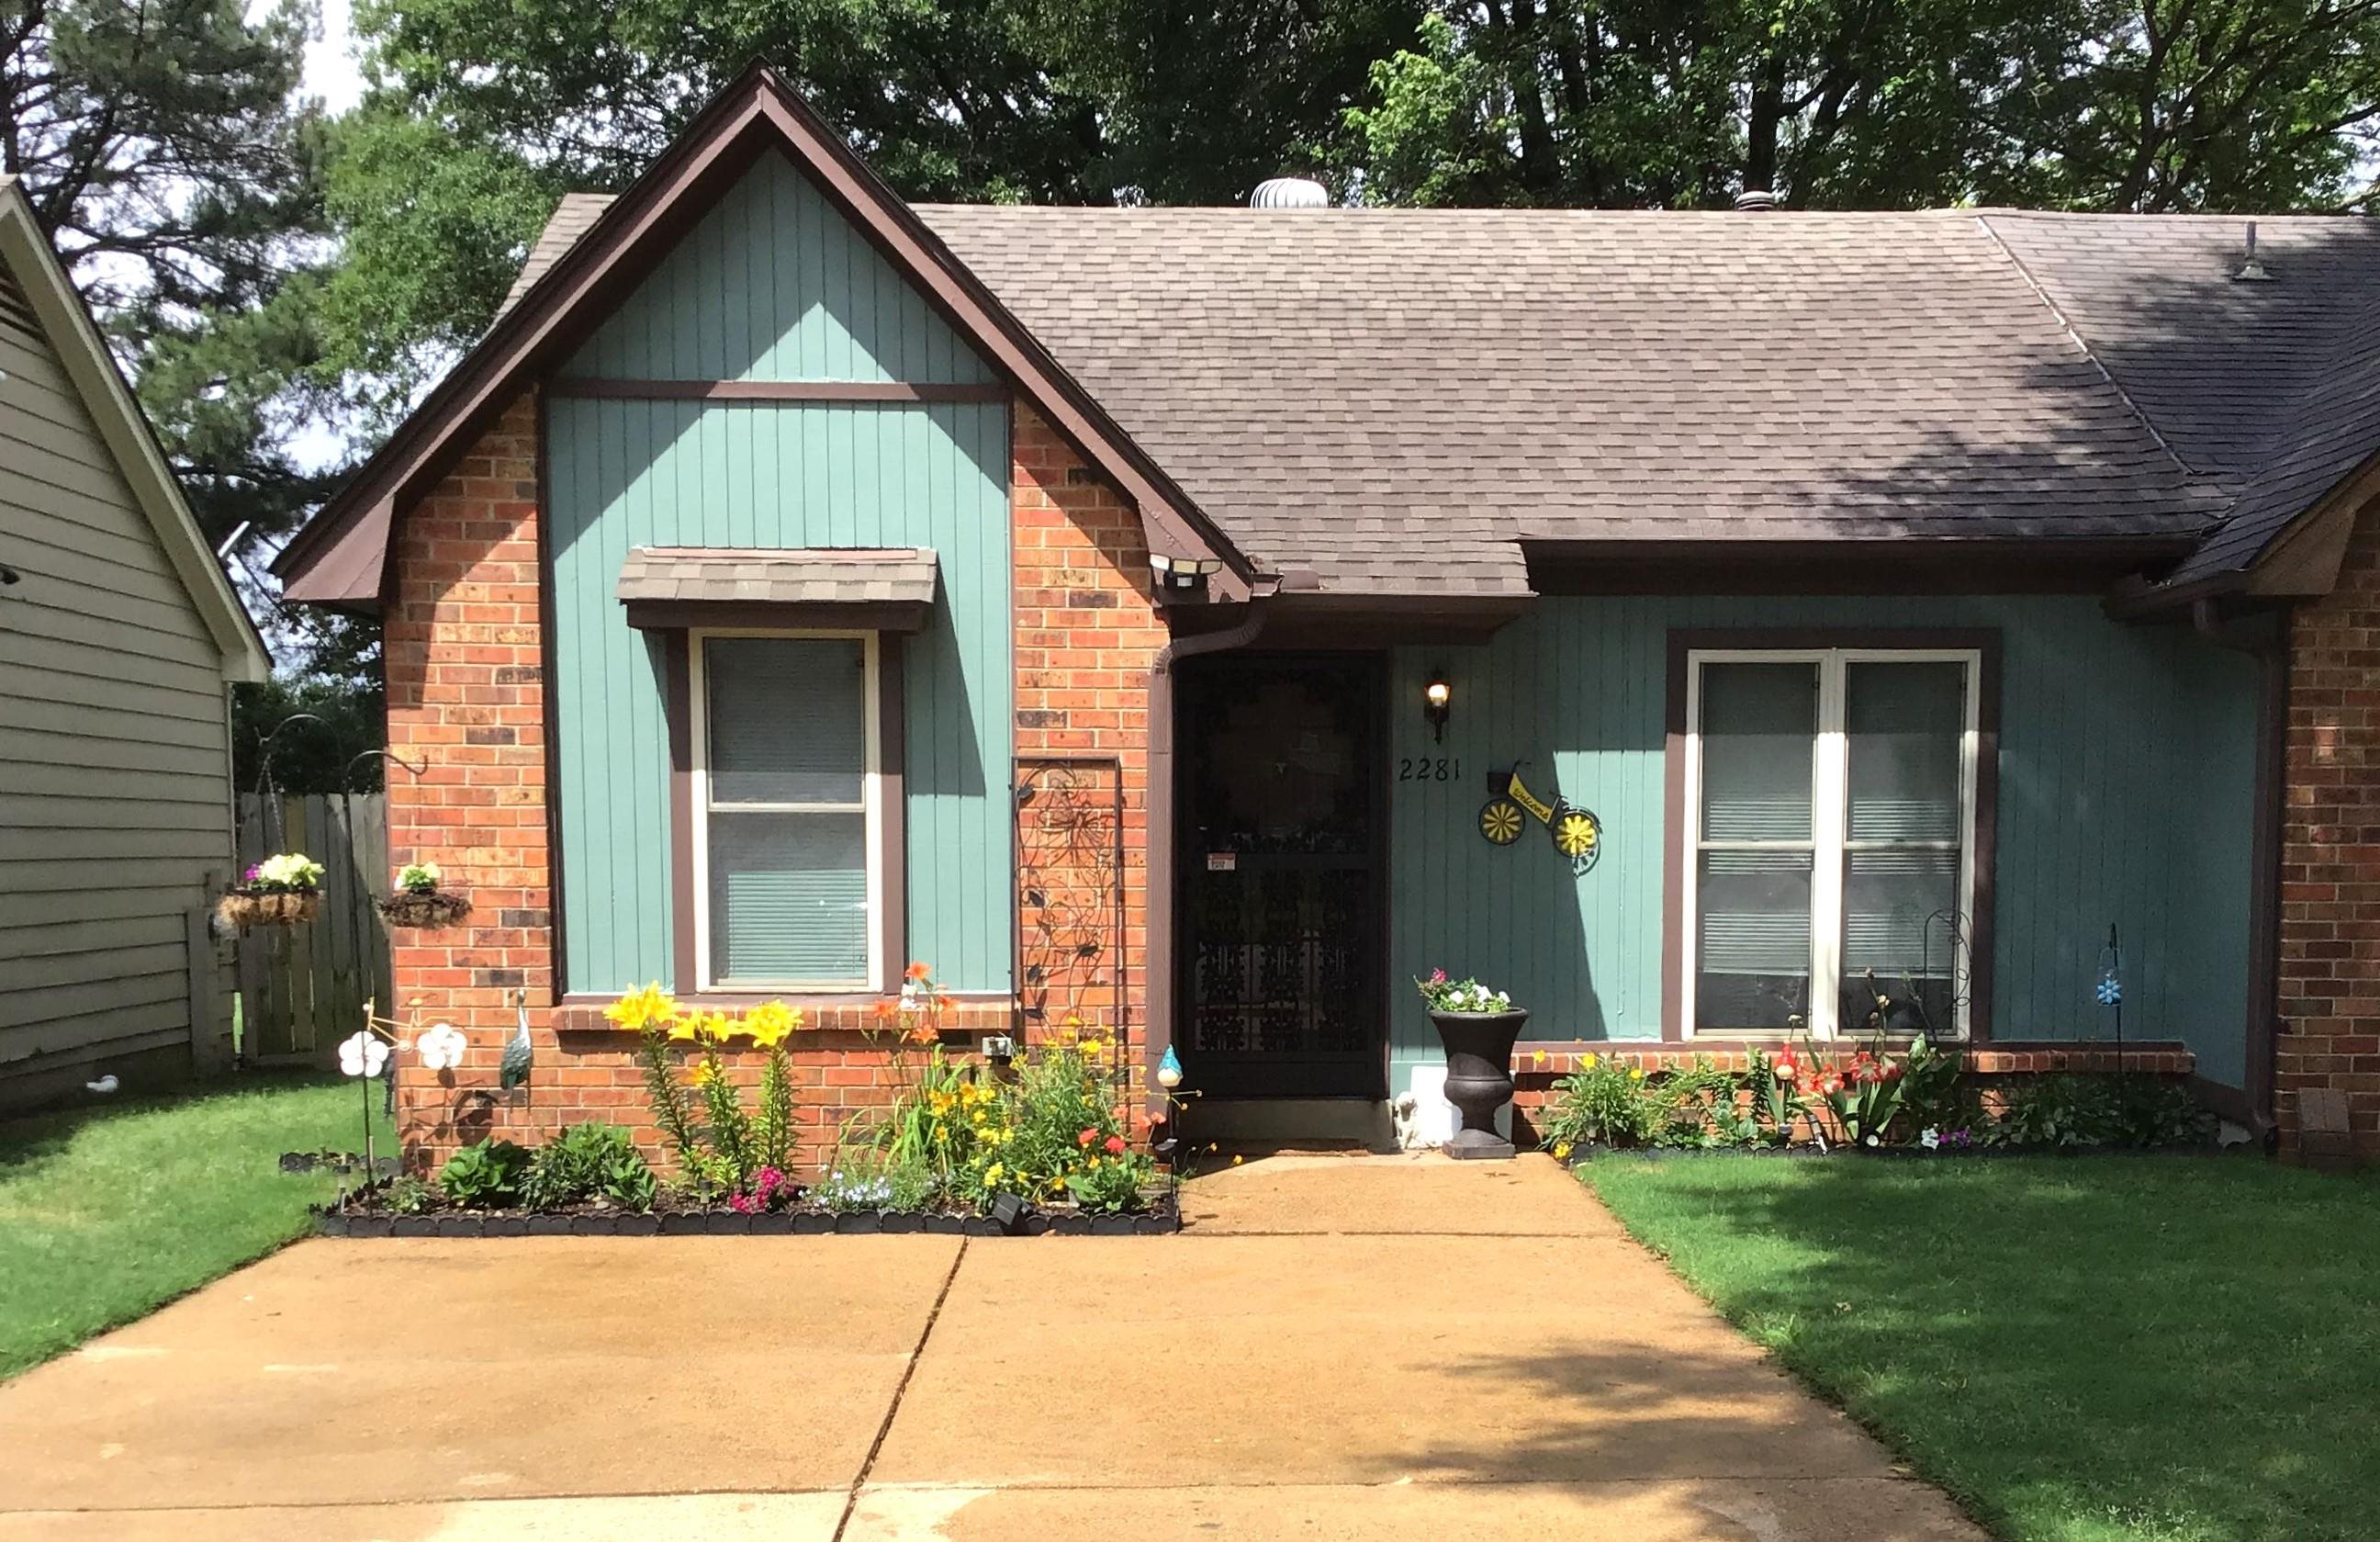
[(1830, 798), (871, 807)]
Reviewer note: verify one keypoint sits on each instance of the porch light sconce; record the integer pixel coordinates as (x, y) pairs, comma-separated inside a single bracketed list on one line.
[(1182, 574), (1437, 702)]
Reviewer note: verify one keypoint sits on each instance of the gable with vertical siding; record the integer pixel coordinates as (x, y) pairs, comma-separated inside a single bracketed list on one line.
[(771, 283)]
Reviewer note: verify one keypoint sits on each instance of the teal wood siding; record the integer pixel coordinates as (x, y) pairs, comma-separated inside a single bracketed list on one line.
[(2126, 776), (808, 298), (771, 285)]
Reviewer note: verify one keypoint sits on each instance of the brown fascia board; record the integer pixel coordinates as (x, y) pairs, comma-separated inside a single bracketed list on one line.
[(339, 558), (1901, 565)]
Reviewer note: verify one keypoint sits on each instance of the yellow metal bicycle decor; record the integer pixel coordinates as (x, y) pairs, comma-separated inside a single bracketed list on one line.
[(1576, 833)]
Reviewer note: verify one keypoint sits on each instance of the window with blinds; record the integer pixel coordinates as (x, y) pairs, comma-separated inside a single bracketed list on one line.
[(1834, 816), (788, 735)]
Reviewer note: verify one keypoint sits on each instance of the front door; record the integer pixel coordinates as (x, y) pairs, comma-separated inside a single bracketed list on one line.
[(1282, 903)]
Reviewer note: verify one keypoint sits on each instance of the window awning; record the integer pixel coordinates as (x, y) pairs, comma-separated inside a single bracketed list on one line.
[(875, 588)]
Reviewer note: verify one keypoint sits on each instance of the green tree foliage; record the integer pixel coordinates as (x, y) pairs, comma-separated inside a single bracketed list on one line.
[(164, 149), (2123, 105)]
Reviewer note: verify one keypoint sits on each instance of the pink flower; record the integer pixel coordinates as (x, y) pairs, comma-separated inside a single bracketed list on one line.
[(1086, 1138), (1438, 977)]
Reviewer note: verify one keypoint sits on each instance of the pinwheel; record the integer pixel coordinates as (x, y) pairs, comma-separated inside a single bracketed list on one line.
[(362, 1054), (442, 1048)]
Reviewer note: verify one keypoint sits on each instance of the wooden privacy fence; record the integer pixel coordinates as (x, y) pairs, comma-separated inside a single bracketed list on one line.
[(302, 988)]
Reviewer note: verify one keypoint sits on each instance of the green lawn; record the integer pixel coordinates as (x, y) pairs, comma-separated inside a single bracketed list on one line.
[(108, 1213), (2081, 1350)]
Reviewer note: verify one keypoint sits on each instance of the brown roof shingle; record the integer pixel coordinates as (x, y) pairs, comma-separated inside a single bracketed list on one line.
[(1395, 398), (809, 576)]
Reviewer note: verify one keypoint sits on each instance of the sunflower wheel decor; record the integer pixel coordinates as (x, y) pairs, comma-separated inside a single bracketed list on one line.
[(1576, 833)]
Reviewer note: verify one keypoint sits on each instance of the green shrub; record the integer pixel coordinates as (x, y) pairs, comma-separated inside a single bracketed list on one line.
[(1603, 1102), (485, 1175), (409, 1196), (1935, 1092), (589, 1161), (2076, 1110)]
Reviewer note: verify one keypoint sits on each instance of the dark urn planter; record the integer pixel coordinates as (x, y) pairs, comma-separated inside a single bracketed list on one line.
[(1479, 1076)]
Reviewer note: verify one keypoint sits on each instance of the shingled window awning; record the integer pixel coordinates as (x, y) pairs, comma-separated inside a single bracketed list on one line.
[(875, 589)]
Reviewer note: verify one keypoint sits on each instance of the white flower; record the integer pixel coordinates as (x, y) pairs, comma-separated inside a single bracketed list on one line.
[(442, 1048), (362, 1054), (417, 877), (1929, 1139), (290, 869)]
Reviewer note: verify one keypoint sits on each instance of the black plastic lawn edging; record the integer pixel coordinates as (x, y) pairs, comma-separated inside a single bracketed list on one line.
[(334, 1221), (1582, 1154)]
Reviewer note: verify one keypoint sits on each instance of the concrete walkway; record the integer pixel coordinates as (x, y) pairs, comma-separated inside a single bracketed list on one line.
[(1338, 1347)]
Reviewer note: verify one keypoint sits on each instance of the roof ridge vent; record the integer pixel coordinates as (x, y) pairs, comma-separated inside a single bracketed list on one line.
[(1290, 192), (1755, 201), (2250, 270)]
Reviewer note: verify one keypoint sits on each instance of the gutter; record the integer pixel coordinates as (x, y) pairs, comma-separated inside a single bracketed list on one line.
[(2264, 637), (1157, 1014)]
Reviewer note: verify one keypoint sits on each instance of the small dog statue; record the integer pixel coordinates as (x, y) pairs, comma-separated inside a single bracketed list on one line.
[(1403, 1109)]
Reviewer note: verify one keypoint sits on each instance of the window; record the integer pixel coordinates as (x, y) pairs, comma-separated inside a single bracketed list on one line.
[(785, 804), (1832, 795)]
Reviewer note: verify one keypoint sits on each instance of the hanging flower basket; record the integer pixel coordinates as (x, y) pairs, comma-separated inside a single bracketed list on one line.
[(427, 911), (283, 891), (420, 902)]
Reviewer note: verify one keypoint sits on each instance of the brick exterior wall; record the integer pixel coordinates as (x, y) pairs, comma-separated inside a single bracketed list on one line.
[(1087, 631), (466, 701), (2328, 1050)]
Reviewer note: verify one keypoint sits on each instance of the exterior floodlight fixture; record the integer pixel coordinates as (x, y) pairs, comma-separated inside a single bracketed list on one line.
[(1180, 575)]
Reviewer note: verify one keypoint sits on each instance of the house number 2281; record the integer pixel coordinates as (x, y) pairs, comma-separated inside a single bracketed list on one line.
[(1424, 768)]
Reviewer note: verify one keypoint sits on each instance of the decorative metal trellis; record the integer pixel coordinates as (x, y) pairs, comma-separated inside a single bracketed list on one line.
[(1068, 834)]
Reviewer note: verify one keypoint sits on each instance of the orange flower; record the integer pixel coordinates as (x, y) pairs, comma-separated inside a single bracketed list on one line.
[(919, 971), (922, 1034), (884, 1012)]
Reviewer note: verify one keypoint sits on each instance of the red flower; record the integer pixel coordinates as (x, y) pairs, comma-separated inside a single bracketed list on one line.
[(1892, 1071), (1115, 1145), (1086, 1138), (1830, 1083)]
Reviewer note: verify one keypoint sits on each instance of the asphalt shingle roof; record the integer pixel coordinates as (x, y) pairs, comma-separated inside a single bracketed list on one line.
[(1394, 398), (780, 576)]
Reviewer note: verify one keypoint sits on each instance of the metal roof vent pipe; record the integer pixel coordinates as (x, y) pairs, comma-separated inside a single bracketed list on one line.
[(1755, 201), (2250, 270), (1290, 192)]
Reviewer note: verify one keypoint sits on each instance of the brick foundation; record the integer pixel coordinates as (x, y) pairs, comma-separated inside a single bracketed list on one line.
[(2326, 1060)]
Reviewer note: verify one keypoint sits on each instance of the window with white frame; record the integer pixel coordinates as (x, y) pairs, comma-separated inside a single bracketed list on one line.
[(786, 809), (1832, 800)]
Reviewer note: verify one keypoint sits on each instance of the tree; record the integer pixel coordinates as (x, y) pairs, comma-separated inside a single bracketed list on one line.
[(2148, 104), (163, 151)]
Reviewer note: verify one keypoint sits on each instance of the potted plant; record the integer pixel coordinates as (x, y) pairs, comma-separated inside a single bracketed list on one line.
[(1478, 1026), (281, 891), (419, 901)]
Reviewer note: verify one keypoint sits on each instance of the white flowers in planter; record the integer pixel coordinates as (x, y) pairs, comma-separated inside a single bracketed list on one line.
[(419, 878), (441, 1047), (362, 1054), (289, 870)]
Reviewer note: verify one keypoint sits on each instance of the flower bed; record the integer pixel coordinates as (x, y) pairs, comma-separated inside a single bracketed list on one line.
[(1875, 1099), (368, 1214), (1038, 1145)]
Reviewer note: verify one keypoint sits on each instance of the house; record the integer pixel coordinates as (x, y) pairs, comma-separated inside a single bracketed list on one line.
[(1200, 622), (120, 639)]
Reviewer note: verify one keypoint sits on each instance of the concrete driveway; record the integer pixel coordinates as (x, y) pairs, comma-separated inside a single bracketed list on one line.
[(1337, 1347)]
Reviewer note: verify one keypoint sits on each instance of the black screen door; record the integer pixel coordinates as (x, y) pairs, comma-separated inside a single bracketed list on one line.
[(1282, 904)]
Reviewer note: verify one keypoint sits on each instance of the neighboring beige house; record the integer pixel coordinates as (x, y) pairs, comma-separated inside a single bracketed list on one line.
[(119, 637)]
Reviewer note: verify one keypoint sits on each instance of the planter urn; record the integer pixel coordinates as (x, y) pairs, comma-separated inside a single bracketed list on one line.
[(1479, 1077)]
